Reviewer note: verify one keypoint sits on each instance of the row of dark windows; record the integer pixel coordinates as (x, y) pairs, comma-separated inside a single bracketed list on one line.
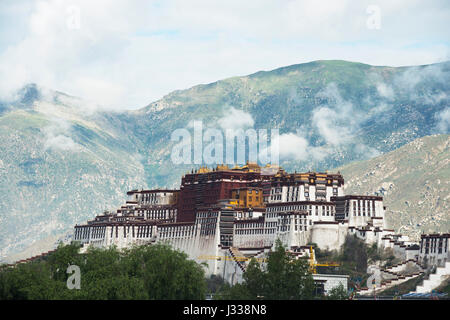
[(434, 245)]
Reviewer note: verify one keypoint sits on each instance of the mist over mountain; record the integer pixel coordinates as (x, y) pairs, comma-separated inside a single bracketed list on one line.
[(58, 165), (63, 160)]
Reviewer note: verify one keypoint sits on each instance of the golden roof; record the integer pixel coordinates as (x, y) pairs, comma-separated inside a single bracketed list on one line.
[(222, 167), (203, 170)]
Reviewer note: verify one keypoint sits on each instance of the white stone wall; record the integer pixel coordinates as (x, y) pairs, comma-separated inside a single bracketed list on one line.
[(293, 238), (329, 236), (365, 214), (197, 247), (441, 274), (332, 281), (153, 198), (228, 269), (294, 193), (292, 230), (257, 240)]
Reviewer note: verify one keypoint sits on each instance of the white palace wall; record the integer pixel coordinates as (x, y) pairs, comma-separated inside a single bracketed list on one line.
[(329, 235)]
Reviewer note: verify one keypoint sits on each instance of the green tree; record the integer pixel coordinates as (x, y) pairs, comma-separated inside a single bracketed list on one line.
[(146, 272), (239, 291), (167, 273), (255, 280), (104, 276), (338, 293), (214, 283), (355, 252), (285, 278), (31, 281), (373, 253), (61, 258)]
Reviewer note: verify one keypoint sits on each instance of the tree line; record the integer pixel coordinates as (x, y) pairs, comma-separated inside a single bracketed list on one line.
[(155, 272), (145, 272)]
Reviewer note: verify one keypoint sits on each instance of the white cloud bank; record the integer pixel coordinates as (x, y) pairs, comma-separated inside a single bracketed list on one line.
[(443, 125), (293, 146), (127, 54), (235, 119), (57, 136)]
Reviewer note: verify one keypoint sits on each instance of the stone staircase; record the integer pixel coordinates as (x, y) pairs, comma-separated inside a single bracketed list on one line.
[(435, 279), (399, 268), (260, 255), (394, 276), (238, 257), (386, 284)]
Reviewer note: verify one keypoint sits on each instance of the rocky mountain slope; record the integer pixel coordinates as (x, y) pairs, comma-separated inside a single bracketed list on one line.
[(61, 163), (414, 181), (57, 167)]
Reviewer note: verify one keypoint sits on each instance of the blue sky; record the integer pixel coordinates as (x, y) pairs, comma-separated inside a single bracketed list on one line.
[(126, 54)]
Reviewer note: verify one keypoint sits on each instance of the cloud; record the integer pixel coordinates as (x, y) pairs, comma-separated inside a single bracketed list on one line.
[(411, 83), (316, 153), (289, 146), (57, 136), (385, 91), (292, 146), (127, 54), (413, 77), (367, 151), (105, 93), (235, 119), (326, 121), (443, 117), (60, 142), (382, 107), (423, 85), (337, 121)]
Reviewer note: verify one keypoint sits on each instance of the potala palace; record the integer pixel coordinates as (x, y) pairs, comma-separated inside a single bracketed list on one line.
[(225, 216)]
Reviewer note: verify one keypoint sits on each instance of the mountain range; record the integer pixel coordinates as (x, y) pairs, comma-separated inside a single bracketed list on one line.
[(63, 161)]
